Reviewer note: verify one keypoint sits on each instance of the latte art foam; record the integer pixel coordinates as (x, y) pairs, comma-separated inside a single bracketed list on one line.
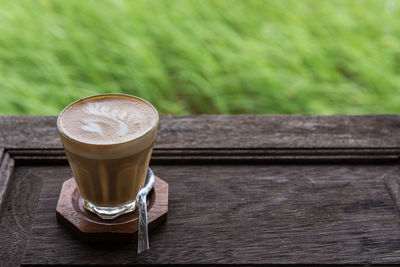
[(107, 120)]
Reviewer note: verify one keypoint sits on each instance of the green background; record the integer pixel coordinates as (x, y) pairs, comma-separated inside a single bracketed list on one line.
[(196, 57)]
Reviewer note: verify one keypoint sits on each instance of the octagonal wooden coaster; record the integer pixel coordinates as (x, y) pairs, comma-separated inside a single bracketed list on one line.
[(90, 227)]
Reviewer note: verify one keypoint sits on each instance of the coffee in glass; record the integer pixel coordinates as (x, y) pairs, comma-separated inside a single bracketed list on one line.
[(108, 140)]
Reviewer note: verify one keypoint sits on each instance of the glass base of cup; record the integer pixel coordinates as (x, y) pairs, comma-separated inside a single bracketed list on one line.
[(109, 213)]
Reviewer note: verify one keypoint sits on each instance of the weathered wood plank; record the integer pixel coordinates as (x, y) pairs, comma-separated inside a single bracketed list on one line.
[(231, 131), (284, 131), (6, 168), (307, 214), (275, 214)]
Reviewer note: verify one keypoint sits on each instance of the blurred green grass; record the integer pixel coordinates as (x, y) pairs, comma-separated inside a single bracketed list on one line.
[(198, 57)]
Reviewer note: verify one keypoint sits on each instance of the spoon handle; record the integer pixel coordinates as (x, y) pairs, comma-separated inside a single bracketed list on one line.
[(143, 237)]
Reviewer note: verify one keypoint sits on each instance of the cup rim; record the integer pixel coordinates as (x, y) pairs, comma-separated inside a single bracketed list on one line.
[(60, 130)]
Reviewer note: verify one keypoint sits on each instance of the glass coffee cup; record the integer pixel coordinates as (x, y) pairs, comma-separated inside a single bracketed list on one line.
[(108, 140)]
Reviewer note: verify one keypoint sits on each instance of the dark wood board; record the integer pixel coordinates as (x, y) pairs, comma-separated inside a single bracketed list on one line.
[(291, 214), (242, 189)]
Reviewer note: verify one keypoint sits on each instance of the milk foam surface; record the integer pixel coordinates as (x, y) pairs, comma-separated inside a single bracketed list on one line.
[(107, 120)]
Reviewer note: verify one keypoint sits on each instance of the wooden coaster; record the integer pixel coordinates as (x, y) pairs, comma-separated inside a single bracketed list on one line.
[(90, 227)]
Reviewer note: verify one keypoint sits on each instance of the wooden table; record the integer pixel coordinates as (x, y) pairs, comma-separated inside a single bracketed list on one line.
[(242, 189)]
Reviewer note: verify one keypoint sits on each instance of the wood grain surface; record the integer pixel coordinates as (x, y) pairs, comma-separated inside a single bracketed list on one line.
[(242, 189), (230, 131), (275, 214), (215, 139)]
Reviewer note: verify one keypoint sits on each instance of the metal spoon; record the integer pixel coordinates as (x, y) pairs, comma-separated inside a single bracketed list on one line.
[(143, 237)]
